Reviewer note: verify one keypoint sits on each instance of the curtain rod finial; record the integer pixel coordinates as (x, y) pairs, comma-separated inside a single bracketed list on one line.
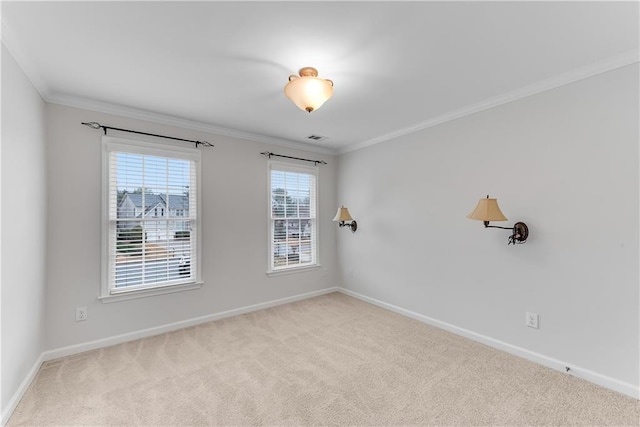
[(92, 125)]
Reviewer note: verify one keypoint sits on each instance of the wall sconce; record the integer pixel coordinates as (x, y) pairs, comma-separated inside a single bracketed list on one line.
[(345, 220), (488, 210)]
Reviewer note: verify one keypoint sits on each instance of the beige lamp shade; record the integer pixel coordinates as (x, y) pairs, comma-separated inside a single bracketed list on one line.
[(343, 215), (308, 91), (487, 210)]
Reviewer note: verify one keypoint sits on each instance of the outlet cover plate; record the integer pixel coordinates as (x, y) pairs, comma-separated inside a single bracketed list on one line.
[(532, 320), (81, 314)]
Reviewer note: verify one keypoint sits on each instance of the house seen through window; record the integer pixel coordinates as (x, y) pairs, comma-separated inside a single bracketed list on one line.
[(293, 234), (152, 218)]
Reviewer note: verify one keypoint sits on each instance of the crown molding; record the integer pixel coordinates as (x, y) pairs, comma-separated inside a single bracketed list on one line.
[(19, 53), (600, 67), (21, 56), (15, 47), (133, 113)]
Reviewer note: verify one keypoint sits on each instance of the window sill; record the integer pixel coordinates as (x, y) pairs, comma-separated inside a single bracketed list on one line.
[(143, 293), (293, 270)]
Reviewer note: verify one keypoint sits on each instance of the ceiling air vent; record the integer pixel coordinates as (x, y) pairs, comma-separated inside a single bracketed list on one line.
[(317, 138)]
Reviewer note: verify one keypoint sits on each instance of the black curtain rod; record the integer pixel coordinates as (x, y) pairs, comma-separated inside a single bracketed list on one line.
[(269, 154), (96, 125)]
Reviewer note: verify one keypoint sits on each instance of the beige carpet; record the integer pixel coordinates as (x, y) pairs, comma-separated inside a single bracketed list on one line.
[(330, 360)]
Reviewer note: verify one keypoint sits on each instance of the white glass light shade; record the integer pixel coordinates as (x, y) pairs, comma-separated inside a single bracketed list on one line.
[(487, 210), (343, 215), (308, 91)]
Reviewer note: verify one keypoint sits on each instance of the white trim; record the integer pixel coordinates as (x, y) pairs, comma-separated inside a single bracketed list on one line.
[(149, 292), (292, 270), (603, 380), (155, 148), (609, 64), (112, 144), (315, 243), (12, 43), (555, 364), (118, 339), (19, 53), (133, 113), (293, 166), (7, 411), (22, 57)]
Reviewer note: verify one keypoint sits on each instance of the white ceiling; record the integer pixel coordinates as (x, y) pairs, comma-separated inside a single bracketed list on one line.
[(397, 66)]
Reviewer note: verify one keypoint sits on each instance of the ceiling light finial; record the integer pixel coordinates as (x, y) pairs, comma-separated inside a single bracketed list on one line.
[(307, 90)]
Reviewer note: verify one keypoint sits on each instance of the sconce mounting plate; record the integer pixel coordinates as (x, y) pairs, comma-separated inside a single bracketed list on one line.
[(353, 225), (520, 232)]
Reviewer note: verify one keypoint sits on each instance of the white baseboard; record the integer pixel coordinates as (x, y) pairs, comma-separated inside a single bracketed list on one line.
[(15, 399), (118, 339), (594, 377), (130, 336), (558, 365)]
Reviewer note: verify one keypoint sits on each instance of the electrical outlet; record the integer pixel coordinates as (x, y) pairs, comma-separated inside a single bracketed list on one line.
[(324, 272), (81, 314), (532, 320)]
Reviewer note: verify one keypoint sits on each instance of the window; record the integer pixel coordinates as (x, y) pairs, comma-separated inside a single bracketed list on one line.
[(293, 227), (147, 250)]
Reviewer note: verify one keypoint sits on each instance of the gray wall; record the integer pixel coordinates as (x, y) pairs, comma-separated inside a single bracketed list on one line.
[(234, 232), (23, 227), (565, 162)]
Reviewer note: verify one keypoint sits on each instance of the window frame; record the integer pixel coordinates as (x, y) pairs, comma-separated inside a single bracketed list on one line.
[(301, 169), (112, 144)]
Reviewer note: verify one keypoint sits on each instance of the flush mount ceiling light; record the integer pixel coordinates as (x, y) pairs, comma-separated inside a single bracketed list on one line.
[(307, 90)]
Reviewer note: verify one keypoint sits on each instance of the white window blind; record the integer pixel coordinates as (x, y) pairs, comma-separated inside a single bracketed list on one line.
[(293, 212), (152, 216)]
